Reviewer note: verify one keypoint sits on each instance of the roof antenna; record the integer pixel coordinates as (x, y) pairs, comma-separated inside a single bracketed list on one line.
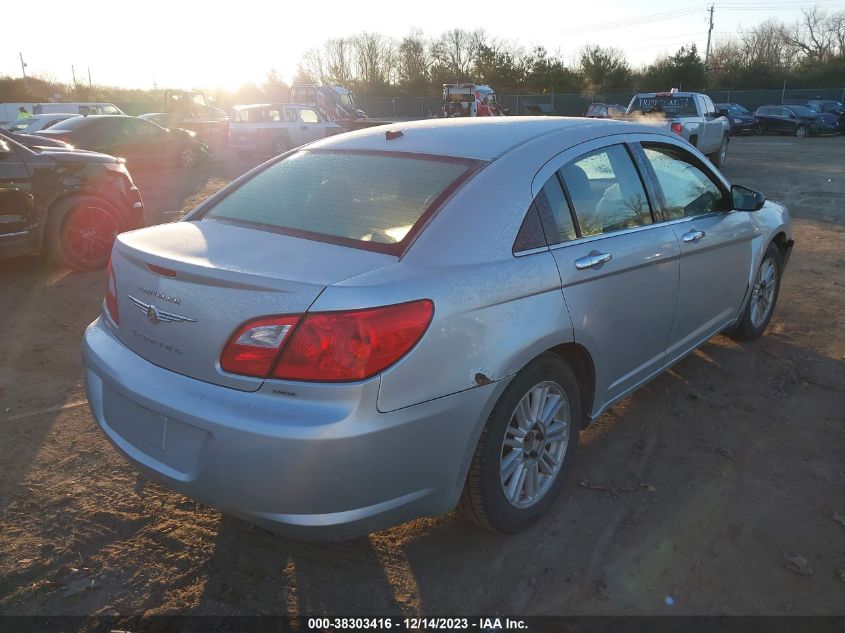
[(392, 134)]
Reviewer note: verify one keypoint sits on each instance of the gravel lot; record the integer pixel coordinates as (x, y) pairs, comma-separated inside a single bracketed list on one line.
[(701, 487)]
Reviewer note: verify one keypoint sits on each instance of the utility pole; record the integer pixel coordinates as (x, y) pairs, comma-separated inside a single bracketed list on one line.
[(73, 72), (707, 52), (23, 68), (90, 85)]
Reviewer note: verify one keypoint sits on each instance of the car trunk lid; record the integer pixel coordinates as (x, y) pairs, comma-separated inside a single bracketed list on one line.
[(184, 288)]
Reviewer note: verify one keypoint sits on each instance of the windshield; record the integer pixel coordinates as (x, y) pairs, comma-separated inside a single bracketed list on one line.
[(802, 111), (669, 104), (354, 197), (737, 110)]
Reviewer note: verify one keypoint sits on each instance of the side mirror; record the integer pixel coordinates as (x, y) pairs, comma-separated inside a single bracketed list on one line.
[(723, 112), (745, 199)]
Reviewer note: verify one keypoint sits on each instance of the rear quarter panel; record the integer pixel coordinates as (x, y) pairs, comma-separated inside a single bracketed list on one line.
[(494, 312)]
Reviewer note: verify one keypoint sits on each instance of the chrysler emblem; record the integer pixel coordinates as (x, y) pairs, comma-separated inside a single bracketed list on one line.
[(156, 315)]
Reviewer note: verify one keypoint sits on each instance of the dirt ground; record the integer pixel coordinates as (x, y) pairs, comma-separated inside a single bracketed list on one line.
[(719, 488)]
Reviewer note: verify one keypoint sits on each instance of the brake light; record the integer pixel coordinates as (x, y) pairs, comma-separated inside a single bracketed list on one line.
[(255, 345), (327, 346), (347, 346), (677, 128), (111, 294)]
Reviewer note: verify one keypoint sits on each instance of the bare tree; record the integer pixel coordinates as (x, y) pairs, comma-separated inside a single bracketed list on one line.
[(456, 51), (339, 55), (817, 35), (312, 68), (374, 59), (413, 61)]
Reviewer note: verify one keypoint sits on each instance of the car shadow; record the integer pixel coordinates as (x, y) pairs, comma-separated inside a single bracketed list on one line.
[(709, 440)]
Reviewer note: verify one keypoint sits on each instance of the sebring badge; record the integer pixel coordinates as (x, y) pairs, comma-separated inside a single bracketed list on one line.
[(156, 315)]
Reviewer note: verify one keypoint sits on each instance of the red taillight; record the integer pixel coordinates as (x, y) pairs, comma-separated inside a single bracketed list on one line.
[(345, 346), (328, 346), (111, 294), (255, 345), (677, 128)]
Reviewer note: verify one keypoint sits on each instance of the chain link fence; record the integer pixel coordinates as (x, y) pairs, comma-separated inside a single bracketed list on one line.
[(577, 104)]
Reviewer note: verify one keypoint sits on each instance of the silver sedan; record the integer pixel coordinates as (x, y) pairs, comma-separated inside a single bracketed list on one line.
[(389, 323)]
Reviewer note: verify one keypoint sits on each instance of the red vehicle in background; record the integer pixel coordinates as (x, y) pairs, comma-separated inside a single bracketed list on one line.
[(470, 100)]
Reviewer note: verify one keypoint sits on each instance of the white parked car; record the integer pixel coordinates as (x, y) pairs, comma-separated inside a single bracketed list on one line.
[(36, 123), (273, 129)]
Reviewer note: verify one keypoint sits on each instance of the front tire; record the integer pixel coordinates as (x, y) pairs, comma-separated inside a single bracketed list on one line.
[(525, 449), (80, 232), (764, 295), (801, 131)]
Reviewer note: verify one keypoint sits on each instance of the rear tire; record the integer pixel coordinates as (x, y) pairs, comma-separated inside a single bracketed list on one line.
[(764, 295), (801, 131), (189, 156), (719, 157), (80, 232), (516, 443)]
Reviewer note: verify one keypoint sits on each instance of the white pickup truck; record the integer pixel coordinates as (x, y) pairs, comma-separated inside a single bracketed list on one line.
[(688, 114)]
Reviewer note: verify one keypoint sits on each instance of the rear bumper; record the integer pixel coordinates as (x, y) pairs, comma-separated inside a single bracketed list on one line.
[(312, 467)]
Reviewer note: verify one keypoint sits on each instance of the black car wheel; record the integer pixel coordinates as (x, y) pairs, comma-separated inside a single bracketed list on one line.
[(801, 131), (81, 232), (758, 129)]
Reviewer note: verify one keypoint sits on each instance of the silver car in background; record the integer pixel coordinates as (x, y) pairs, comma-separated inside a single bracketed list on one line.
[(389, 323)]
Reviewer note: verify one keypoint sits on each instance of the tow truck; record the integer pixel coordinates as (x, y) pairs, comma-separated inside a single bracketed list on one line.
[(192, 110), (461, 100)]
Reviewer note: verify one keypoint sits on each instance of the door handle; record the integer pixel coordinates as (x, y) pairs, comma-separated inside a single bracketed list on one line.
[(591, 261), (693, 236)]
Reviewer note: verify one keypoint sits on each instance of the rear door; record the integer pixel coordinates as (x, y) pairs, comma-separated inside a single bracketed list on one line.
[(619, 270), (714, 241)]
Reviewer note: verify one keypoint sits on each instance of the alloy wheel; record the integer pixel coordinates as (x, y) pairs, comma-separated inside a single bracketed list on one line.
[(88, 234), (188, 157), (763, 292), (534, 447)]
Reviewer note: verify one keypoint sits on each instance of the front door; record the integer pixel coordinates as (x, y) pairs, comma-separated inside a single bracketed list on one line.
[(310, 125), (17, 208), (715, 245), (620, 274)]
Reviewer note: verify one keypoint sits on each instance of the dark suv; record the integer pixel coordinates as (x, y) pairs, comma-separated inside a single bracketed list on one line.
[(794, 119), (68, 203)]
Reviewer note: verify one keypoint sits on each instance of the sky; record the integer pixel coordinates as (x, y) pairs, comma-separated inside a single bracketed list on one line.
[(212, 44)]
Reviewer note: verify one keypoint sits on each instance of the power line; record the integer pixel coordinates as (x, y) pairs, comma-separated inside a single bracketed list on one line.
[(645, 19)]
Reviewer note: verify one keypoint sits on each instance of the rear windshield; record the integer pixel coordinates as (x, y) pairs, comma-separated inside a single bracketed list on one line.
[(668, 104), (72, 123), (370, 200)]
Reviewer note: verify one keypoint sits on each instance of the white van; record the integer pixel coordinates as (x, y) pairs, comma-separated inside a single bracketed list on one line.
[(76, 108)]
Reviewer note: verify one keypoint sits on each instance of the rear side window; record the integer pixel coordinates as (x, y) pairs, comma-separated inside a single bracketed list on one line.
[(552, 203), (606, 191), (358, 198)]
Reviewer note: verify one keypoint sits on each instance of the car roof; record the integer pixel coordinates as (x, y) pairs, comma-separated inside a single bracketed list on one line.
[(482, 138)]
